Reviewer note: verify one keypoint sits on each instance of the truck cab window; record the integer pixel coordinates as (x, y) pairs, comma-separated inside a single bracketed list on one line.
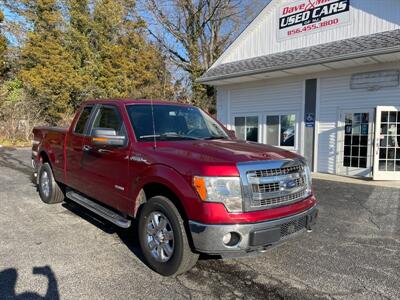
[(109, 117), (83, 119)]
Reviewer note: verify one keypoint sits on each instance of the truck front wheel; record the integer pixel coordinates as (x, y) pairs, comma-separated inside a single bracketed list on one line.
[(49, 190), (163, 238)]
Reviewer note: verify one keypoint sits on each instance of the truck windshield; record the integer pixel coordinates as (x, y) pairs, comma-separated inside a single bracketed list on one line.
[(173, 122)]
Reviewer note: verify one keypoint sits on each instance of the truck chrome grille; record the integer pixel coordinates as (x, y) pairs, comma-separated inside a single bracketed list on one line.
[(276, 172), (273, 187), (276, 187), (265, 188), (283, 200)]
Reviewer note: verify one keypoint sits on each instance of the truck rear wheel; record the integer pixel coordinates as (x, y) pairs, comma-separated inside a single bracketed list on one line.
[(163, 238), (49, 190)]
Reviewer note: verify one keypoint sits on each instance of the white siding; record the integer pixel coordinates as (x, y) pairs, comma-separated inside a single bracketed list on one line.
[(335, 95), (264, 97), (223, 105), (261, 98), (260, 37)]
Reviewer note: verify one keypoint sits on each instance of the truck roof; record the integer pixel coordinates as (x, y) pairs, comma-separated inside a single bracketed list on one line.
[(133, 101)]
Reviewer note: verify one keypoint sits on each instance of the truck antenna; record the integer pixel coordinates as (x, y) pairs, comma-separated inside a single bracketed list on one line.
[(154, 124)]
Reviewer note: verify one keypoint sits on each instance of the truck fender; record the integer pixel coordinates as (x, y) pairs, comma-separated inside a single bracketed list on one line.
[(42, 156), (171, 180), (46, 150)]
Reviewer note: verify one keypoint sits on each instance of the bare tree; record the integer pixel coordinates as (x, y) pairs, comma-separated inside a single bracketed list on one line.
[(196, 32)]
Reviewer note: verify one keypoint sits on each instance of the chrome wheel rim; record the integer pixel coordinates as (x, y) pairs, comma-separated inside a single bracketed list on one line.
[(160, 237), (45, 184)]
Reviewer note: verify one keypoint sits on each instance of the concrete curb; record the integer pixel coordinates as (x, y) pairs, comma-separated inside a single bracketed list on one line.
[(354, 180)]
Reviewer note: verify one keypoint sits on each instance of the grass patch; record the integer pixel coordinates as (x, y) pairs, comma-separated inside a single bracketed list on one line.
[(15, 143)]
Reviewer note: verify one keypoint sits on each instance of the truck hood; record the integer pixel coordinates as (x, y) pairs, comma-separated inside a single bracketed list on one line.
[(200, 157)]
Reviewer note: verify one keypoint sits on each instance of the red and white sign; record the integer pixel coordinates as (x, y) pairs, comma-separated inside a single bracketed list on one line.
[(308, 16)]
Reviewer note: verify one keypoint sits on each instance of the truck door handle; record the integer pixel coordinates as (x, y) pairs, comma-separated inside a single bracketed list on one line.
[(86, 148), (104, 151)]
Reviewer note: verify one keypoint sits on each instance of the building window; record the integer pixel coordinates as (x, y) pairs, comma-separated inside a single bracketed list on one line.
[(281, 130), (246, 128), (356, 140), (389, 147)]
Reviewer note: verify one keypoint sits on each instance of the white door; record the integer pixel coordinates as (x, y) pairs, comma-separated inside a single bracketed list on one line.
[(355, 139), (387, 143)]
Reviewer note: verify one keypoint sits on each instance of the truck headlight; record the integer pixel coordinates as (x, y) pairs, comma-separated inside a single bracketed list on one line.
[(226, 190)]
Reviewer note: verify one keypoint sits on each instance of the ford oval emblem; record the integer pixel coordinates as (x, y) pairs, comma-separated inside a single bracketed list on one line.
[(291, 184)]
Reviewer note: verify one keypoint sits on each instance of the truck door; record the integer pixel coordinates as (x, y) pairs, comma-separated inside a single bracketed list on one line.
[(106, 167), (74, 152)]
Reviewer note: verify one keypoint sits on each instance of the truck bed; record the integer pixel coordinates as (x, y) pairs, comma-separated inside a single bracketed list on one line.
[(54, 140), (51, 128)]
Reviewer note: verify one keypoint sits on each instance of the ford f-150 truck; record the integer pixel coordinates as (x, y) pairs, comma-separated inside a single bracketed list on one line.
[(190, 184)]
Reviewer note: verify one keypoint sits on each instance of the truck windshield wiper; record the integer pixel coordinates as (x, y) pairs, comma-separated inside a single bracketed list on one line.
[(215, 137), (168, 135)]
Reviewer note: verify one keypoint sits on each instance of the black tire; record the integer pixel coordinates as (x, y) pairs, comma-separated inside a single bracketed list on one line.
[(54, 193), (182, 258)]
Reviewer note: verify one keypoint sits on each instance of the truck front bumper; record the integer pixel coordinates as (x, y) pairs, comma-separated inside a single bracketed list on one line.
[(246, 238)]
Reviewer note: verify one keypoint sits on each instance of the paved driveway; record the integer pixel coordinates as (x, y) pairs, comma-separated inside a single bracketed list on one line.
[(61, 251)]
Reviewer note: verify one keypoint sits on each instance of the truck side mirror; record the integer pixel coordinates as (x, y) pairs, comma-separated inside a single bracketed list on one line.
[(107, 137)]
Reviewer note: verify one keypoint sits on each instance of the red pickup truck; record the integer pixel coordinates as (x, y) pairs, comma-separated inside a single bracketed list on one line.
[(192, 186)]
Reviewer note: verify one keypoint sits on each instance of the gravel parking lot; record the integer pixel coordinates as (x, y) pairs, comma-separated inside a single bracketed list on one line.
[(64, 252)]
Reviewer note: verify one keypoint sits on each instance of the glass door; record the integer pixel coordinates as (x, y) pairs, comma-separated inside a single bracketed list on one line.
[(387, 143), (355, 143)]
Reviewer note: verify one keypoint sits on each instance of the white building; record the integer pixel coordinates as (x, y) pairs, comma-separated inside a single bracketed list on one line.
[(319, 77)]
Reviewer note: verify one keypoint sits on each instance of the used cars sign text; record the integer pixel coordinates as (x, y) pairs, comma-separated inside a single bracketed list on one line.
[(312, 15)]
